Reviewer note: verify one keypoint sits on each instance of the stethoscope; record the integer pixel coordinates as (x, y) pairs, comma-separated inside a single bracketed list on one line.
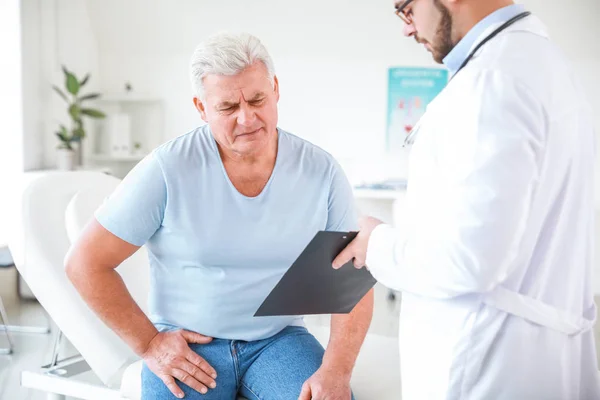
[(410, 138)]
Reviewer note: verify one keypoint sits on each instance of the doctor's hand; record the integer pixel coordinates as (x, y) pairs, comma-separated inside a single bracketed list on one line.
[(357, 249), (169, 357), (327, 384)]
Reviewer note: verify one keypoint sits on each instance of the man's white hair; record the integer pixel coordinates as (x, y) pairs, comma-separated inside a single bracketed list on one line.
[(227, 54)]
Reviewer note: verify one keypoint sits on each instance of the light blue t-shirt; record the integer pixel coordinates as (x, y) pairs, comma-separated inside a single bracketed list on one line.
[(214, 253)]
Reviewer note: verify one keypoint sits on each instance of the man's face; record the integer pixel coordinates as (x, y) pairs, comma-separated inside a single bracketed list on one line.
[(431, 26), (241, 110)]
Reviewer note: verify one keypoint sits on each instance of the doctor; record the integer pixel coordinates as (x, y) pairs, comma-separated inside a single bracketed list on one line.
[(495, 254)]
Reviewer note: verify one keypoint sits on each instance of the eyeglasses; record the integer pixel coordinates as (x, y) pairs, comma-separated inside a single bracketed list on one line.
[(405, 16)]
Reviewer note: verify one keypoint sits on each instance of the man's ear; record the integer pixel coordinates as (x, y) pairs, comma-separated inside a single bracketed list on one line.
[(200, 106), (276, 87)]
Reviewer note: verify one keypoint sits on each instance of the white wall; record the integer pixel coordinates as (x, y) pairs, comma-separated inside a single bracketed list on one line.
[(11, 149), (33, 141)]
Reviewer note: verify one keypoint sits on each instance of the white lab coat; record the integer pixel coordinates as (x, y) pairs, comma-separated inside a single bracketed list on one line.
[(495, 254)]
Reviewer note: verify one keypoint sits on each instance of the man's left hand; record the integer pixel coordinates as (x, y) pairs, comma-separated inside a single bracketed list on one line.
[(327, 384), (357, 249)]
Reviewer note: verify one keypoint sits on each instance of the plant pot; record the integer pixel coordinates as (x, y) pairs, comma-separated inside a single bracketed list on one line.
[(65, 159)]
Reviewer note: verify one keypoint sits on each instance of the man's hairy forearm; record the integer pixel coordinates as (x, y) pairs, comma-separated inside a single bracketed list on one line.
[(106, 294), (347, 335)]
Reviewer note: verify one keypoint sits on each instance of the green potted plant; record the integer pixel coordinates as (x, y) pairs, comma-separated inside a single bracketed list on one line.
[(76, 132)]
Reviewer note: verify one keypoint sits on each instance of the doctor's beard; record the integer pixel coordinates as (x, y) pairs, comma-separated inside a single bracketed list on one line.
[(442, 43)]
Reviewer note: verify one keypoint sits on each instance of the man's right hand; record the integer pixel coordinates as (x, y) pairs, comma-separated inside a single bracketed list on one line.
[(169, 356)]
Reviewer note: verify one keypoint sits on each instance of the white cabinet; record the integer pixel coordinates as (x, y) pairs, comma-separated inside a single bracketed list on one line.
[(133, 127)]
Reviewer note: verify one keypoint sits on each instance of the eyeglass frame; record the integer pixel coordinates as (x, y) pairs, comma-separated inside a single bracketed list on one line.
[(400, 12)]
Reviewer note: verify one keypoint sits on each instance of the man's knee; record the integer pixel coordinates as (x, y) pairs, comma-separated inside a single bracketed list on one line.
[(283, 367)]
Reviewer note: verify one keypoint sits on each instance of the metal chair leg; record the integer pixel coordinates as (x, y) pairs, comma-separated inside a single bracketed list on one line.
[(3, 327), (56, 350), (26, 329), (16, 329)]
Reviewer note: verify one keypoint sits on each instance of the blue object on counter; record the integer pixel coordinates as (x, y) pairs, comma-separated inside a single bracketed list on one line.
[(385, 185)]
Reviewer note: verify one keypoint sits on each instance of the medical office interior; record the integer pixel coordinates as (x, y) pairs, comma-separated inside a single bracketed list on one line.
[(336, 61)]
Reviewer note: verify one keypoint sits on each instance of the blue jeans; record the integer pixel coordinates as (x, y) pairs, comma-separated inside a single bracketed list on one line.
[(269, 369)]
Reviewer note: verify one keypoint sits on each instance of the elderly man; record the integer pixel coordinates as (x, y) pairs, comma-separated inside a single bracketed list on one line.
[(223, 210)]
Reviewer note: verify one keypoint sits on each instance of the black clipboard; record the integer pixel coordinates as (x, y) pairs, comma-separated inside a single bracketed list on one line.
[(311, 285)]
